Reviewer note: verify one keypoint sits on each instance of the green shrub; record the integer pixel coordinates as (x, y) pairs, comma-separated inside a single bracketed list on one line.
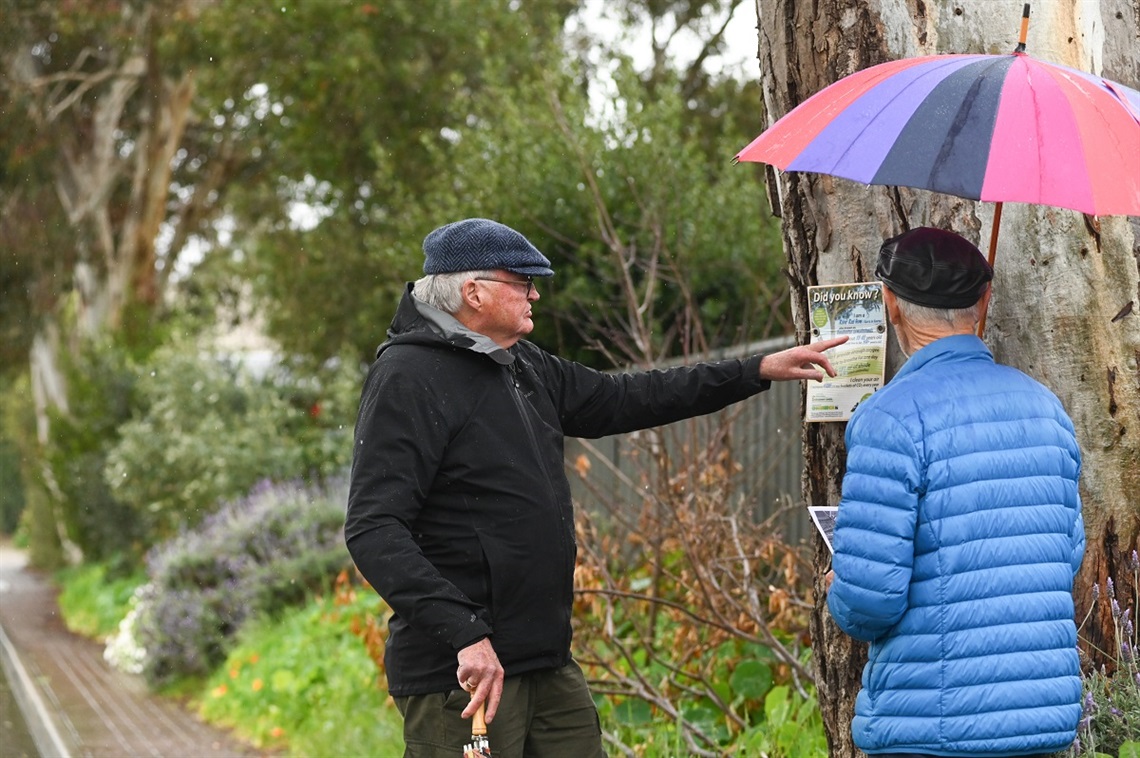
[(36, 529), (101, 383), (12, 493), (203, 433)]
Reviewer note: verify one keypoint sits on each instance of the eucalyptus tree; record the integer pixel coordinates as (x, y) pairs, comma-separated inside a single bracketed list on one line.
[(109, 176), (1060, 285)]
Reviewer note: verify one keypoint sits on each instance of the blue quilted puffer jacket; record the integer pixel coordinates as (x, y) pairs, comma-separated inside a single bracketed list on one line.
[(957, 540)]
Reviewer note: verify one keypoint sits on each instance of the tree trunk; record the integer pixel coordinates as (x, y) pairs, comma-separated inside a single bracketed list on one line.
[(1062, 290), (115, 199)]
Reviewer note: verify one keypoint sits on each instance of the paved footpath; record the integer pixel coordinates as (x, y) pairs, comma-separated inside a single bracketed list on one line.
[(74, 703)]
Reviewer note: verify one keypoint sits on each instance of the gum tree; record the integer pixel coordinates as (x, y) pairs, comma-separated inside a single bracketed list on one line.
[(101, 157), (1064, 292)]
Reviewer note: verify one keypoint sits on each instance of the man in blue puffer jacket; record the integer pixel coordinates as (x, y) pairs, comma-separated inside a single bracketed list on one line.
[(959, 531)]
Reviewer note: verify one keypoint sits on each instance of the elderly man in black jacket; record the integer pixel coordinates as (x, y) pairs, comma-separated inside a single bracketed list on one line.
[(459, 510)]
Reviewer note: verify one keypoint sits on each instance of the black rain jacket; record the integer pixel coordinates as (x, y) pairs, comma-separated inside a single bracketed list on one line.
[(459, 510)]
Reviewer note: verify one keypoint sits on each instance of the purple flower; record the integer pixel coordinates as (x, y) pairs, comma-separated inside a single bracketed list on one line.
[(1096, 591), (1135, 564), (1111, 589), (1115, 609), (242, 560)]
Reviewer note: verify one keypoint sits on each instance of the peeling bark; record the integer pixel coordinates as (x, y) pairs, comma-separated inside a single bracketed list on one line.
[(1062, 281)]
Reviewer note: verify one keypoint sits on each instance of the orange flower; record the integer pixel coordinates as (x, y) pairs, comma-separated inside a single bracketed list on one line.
[(276, 732), (257, 685), (219, 690), (253, 659), (234, 672)]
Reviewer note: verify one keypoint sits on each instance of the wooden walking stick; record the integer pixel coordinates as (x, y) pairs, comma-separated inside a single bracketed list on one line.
[(479, 747)]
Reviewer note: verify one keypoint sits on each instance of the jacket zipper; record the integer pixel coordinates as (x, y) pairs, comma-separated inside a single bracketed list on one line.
[(523, 407)]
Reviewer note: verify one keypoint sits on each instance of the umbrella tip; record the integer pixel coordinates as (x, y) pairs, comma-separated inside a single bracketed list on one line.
[(1024, 29)]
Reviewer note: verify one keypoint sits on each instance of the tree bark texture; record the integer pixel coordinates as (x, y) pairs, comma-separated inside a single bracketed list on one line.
[(1066, 304)]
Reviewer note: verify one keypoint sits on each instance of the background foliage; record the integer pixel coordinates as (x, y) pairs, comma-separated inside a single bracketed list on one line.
[(321, 142), (205, 431)]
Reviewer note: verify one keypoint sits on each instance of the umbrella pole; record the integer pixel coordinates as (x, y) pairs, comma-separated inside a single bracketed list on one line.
[(997, 206), (993, 256)]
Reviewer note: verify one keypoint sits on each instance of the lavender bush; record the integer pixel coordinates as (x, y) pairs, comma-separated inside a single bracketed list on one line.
[(1110, 724), (252, 558)]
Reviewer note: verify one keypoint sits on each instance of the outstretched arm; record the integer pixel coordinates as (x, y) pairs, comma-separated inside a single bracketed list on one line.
[(800, 362)]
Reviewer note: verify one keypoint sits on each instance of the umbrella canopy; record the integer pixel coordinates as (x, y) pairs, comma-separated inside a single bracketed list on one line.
[(1001, 128)]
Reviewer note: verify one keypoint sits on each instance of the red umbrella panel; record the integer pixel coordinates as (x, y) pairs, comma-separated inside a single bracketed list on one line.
[(1000, 128)]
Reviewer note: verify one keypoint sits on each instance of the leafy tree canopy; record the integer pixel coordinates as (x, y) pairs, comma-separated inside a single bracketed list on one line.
[(382, 121)]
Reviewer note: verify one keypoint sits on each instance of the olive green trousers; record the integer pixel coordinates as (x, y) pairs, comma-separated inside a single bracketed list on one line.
[(543, 714)]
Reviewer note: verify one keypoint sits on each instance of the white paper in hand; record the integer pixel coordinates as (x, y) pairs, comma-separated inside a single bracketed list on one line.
[(823, 516)]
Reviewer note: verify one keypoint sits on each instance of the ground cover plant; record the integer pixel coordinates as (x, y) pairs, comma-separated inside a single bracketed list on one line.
[(308, 683), (309, 680), (93, 601)]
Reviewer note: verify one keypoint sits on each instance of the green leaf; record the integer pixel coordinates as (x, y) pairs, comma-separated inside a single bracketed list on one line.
[(777, 706), (751, 679), (283, 680), (633, 711), (1130, 750)]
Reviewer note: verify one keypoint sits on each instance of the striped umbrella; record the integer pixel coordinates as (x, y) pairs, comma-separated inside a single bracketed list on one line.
[(999, 128)]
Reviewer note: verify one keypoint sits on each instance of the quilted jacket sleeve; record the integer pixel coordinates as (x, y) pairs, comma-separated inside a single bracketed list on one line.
[(1078, 531), (875, 526)]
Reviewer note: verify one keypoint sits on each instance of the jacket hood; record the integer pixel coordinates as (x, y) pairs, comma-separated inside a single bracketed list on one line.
[(417, 323)]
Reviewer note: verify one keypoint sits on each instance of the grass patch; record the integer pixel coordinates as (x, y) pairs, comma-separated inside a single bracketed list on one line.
[(91, 602), (304, 684)]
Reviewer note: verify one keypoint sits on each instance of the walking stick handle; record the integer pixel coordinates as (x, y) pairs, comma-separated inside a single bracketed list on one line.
[(478, 722)]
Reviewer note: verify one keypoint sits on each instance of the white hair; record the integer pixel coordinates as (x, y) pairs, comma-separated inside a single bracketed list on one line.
[(445, 291), (939, 317)]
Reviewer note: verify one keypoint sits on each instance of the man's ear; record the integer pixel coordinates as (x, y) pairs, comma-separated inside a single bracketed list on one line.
[(985, 301), (892, 303), (472, 294)]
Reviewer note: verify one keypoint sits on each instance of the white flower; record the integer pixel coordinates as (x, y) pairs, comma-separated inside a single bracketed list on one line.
[(123, 652)]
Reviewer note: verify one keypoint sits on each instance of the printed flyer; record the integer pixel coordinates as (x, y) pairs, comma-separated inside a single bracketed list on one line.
[(855, 310)]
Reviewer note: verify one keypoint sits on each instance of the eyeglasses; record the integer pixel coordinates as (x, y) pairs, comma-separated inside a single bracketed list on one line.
[(529, 283)]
